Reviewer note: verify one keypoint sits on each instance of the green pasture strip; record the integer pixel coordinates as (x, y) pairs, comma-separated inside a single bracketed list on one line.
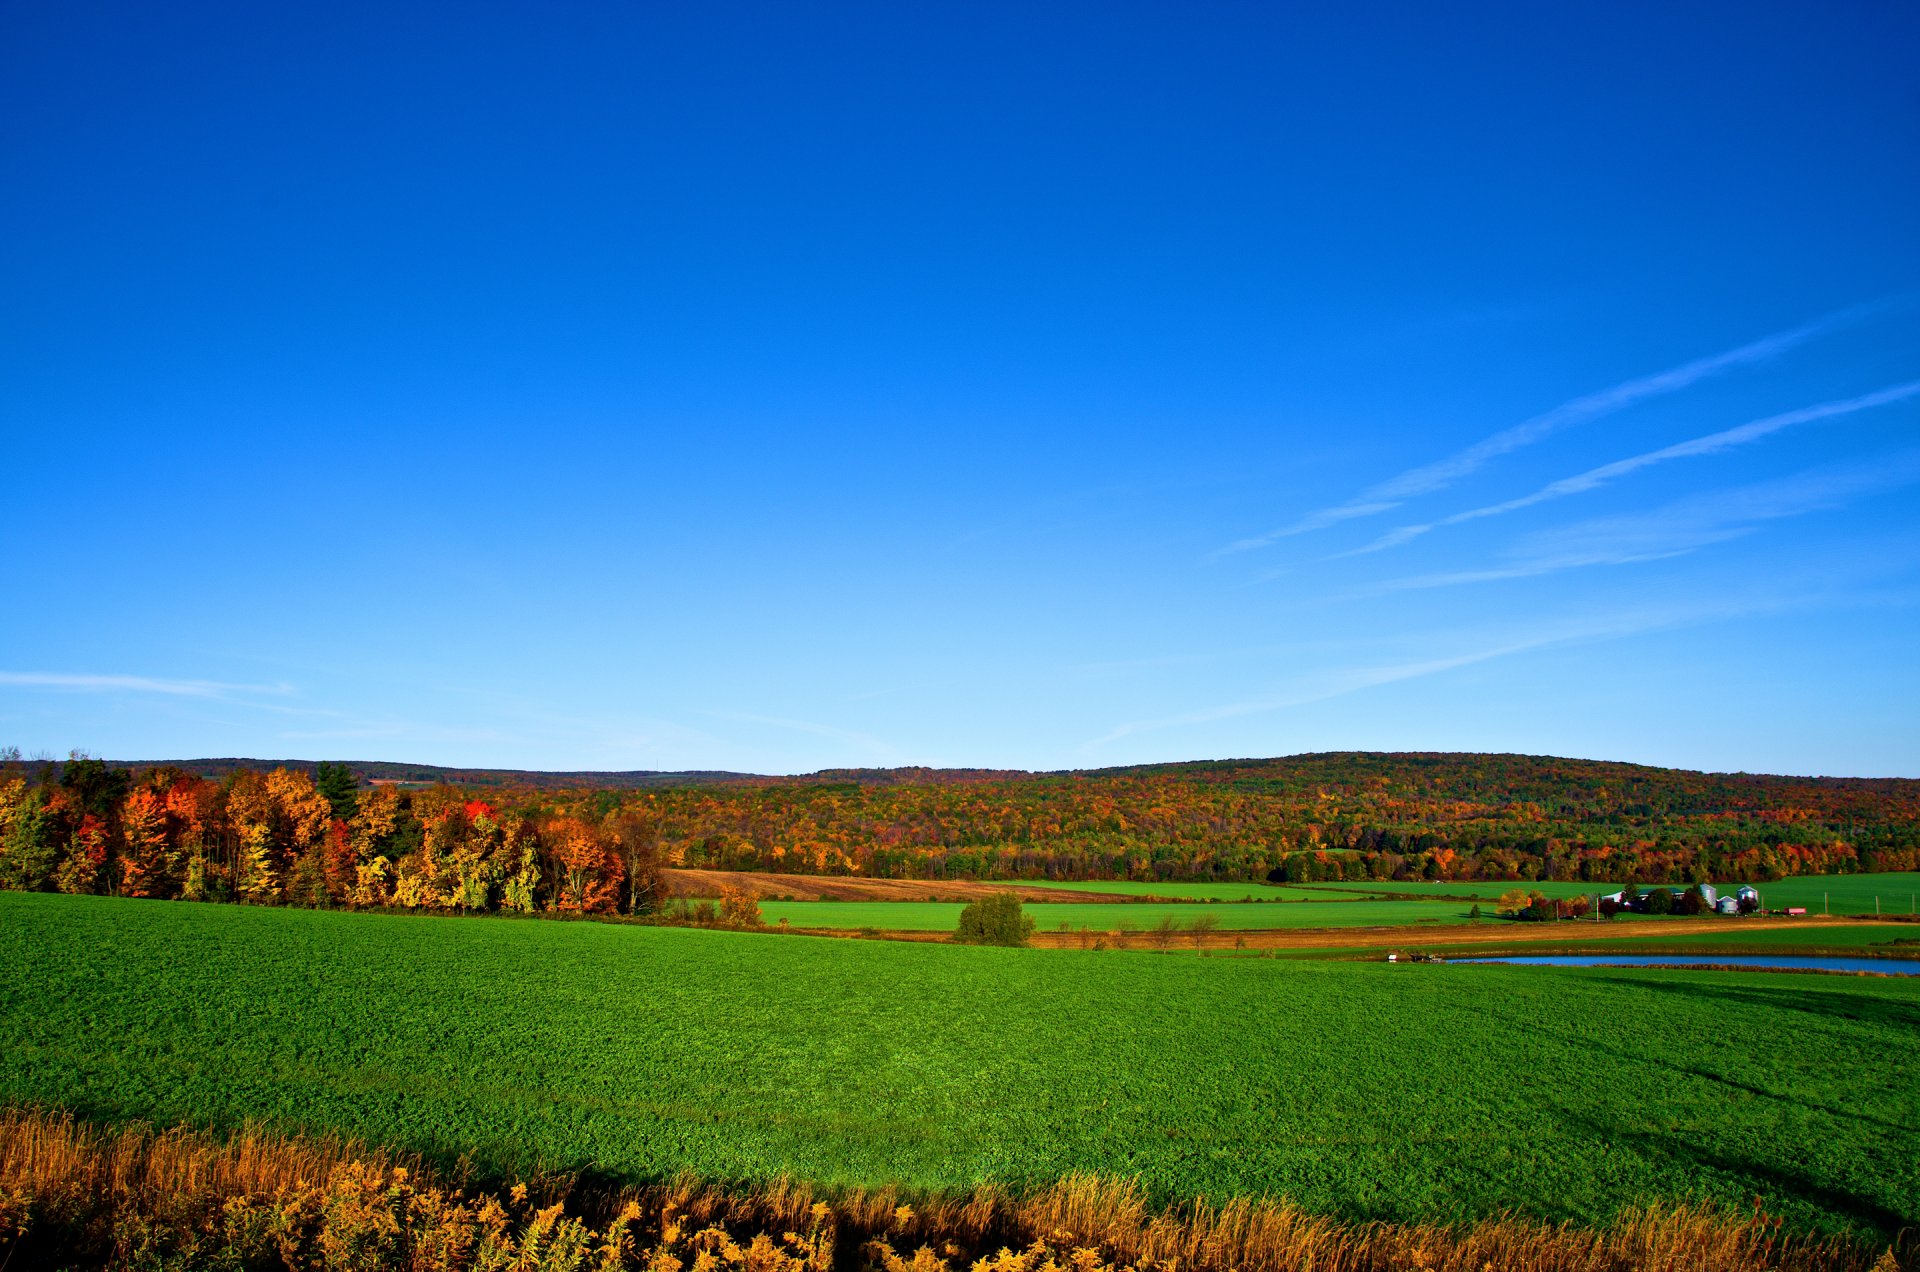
[(1767, 939), (1352, 1088), (1868, 940), (1108, 916), (1470, 889), (1193, 891), (1848, 894), (1851, 894)]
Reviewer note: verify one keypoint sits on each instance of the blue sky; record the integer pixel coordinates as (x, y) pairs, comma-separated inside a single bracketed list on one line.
[(780, 387)]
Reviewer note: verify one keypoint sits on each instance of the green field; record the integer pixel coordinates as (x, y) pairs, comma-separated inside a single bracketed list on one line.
[(1107, 916), (1762, 936), (1848, 894), (1845, 894), (1739, 936), (1357, 1088), (1485, 890), (1644, 936), (1194, 891)]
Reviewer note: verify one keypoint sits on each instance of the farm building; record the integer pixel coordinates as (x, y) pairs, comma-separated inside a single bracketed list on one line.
[(1741, 899)]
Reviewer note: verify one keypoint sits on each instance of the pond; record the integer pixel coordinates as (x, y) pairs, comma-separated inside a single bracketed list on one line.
[(1770, 962)]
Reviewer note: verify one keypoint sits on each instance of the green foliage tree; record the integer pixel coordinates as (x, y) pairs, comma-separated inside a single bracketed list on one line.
[(28, 850), (336, 782), (92, 786), (307, 880), (1659, 901), (994, 920)]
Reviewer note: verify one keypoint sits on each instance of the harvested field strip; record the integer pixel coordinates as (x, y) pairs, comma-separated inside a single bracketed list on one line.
[(72, 1195)]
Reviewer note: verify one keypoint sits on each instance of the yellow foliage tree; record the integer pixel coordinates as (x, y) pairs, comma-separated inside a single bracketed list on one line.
[(251, 811), (145, 865)]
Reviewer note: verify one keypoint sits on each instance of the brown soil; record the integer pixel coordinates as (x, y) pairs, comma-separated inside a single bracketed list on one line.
[(769, 887)]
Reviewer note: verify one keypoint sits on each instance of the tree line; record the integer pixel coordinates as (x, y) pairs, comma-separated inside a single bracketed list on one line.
[(324, 836), (283, 837)]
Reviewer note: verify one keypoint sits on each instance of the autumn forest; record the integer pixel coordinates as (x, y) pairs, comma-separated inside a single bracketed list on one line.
[(325, 835)]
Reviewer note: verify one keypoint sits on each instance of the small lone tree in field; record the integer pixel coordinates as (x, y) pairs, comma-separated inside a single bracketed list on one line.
[(1163, 932), (994, 920), (739, 909), (1202, 925)]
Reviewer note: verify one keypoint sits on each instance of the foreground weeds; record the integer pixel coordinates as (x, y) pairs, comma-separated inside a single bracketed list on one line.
[(73, 1195)]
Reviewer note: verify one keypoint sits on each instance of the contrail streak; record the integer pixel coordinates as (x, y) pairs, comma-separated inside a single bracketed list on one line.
[(1726, 439), (1395, 491)]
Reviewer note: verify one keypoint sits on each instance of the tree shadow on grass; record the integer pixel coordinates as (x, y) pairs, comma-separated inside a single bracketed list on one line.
[(1772, 1178), (1821, 1000), (1599, 1044)]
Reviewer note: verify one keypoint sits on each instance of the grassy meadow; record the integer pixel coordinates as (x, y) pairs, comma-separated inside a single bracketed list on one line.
[(1193, 891), (1898, 892), (1356, 1089), (941, 916), (1758, 936)]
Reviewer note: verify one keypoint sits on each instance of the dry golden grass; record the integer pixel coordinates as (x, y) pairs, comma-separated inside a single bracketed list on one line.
[(75, 1195)]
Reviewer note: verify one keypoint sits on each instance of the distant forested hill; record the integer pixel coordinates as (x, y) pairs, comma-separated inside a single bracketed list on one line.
[(428, 774), (1327, 816), (380, 833)]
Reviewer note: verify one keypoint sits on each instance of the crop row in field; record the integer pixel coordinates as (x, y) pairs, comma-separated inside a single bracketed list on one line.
[(1355, 1088)]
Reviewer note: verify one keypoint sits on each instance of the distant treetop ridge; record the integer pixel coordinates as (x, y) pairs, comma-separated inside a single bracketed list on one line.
[(357, 833)]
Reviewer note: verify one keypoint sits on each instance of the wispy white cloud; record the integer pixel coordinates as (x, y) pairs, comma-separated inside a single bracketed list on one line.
[(1428, 478), (1333, 684), (356, 732), (879, 747), (1680, 527), (1340, 681), (87, 682), (1579, 483)]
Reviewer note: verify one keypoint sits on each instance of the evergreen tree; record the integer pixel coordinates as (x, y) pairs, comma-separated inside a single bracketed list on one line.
[(336, 782)]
